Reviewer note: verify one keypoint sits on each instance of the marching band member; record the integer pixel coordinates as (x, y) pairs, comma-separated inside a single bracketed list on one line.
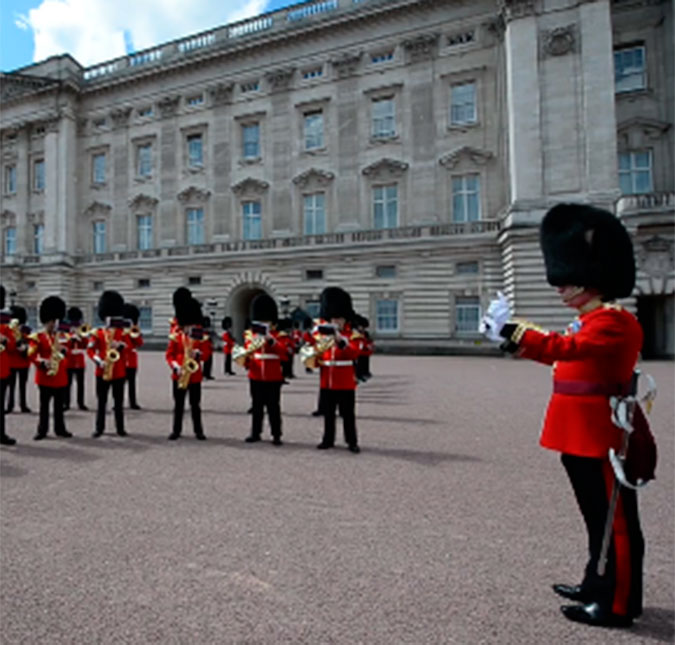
[(134, 339), (264, 353), (76, 356), (48, 350), (184, 355), (107, 349), (7, 344), (589, 257), (336, 353), (208, 349), (285, 339), (361, 365), (228, 344), (18, 359), (307, 339)]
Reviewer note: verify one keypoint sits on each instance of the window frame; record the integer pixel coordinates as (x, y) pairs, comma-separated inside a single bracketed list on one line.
[(94, 180), (195, 232), (244, 143), (10, 179), (38, 239), (99, 232), (376, 132), (454, 87), (6, 239), (634, 170), (464, 192), (248, 217), (385, 205), (378, 316), (140, 162), (320, 143), (313, 212), (139, 228), (463, 306), (624, 49), (39, 178), (143, 309)]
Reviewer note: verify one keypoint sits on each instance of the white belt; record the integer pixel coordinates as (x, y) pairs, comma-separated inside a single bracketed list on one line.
[(337, 363), (264, 357), (77, 351)]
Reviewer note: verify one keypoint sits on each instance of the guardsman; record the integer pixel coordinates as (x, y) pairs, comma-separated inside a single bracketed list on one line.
[(228, 344), (7, 344), (107, 348), (134, 338), (336, 353), (48, 350), (263, 356), (589, 258), (208, 349), (184, 356), (283, 336), (79, 333), (18, 359)]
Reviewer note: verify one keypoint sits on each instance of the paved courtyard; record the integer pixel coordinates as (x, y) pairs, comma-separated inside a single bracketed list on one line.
[(449, 527)]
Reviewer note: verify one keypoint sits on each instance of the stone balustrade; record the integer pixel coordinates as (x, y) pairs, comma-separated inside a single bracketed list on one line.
[(645, 204)]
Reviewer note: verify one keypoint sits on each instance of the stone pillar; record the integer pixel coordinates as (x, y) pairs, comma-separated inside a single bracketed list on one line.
[(52, 212), (279, 220)]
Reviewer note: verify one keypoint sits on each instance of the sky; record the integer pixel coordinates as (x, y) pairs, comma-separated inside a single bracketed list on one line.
[(97, 30)]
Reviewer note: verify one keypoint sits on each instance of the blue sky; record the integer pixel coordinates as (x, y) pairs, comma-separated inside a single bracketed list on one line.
[(95, 30)]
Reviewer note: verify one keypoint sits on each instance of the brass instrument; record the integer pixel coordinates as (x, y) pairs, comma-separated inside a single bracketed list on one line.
[(241, 353), (83, 330), (189, 367), (56, 356), (309, 354), (111, 355), (134, 331), (15, 327)]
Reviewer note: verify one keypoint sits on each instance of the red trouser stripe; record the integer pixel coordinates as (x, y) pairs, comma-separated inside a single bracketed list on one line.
[(621, 543)]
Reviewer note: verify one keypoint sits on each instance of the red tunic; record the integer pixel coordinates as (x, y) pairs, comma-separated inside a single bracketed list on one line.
[(9, 344), (228, 342), (97, 347), (337, 365), (18, 358), (78, 349), (40, 349), (179, 344), (207, 347), (265, 363), (598, 353), (132, 354)]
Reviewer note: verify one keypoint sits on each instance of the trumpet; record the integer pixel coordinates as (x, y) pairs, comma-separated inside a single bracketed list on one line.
[(241, 353), (134, 331)]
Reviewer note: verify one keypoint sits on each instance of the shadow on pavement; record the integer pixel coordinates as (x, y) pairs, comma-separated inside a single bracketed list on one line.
[(656, 623), (63, 451), (7, 470)]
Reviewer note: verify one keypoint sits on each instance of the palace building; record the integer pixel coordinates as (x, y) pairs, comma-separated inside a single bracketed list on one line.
[(403, 149)]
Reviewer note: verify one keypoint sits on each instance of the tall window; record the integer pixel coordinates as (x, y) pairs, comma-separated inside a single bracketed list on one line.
[(100, 245), (313, 130), (195, 226), (635, 172), (252, 220), (629, 69), (463, 104), (10, 240), (386, 315), (315, 214), (383, 116), (145, 318), (39, 174), (251, 140), (144, 160), (98, 168), (10, 179), (195, 152), (466, 198), (38, 238), (385, 206), (467, 314), (144, 230)]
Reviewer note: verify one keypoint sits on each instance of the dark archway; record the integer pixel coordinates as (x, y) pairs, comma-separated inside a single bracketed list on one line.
[(238, 306)]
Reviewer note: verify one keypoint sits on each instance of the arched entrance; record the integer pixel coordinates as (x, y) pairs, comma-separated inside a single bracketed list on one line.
[(238, 306)]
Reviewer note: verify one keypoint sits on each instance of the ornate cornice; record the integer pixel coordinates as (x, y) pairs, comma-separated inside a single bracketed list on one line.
[(168, 106), (97, 208), (655, 257), (250, 185), (7, 217), (120, 117), (143, 201), (559, 41), (652, 128), (346, 64), (322, 177), (221, 94), (392, 167), (422, 47), (279, 79), (514, 9), (193, 194), (476, 156)]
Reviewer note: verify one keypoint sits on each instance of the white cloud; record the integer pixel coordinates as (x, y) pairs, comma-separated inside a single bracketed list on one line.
[(93, 30)]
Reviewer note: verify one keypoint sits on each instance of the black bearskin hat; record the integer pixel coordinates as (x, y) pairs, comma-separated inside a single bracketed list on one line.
[(336, 303), (227, 322), (2, 297), (110, 304), (307, 323), (207, 322), (189, 312), (74, 315), (180, 295), (19, 313), (52, 308), (131, 312), (264, 309), (285, 324), (586, 246)]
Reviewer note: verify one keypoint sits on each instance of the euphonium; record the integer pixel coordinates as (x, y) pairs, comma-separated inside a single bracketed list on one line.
[(309, 354), (111, 356), (241, 353)]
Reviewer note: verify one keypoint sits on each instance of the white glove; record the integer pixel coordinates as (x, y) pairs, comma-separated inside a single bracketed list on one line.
[(496, 316)]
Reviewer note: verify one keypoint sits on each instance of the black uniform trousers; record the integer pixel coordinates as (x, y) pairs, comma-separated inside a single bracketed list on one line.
[(360, 367), (102, 389), (46, 395), (227, 366), (3, 387), (620, 589), (131, 383), (207, 369), (344, 400), (75, 374), (266, 394), (20, 375), (194, 390)]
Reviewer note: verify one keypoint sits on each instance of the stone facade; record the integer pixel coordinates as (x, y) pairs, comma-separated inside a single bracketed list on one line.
[(428, 138)]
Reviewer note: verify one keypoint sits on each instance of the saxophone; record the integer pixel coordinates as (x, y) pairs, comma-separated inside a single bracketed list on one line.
[(189, 367), (56, 356), (111, 355)]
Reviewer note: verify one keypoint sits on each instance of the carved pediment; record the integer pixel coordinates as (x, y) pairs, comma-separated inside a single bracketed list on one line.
[(7, 217), (37, 217), (279, 79), (476, 156), (221, 94), (168, 105), (193, 194), (321, 177), (422, 47), (385, 166), (250, 185), (652, 128), (14, 85), (97, 208), (346, 64), (143, 201), (120, 117)]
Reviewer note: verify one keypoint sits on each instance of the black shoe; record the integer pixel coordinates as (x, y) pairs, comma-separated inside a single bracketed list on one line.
[(66, 408), (6, 441), (122, 433), (324, 446), (83, 407), (355, 449), (97, 433), (26, 409), (277, 441), (39, 436), (135, 406), (317, 413), (210, 378), (593, 614), (64, 434), (8, 410), (572, 592), (252, 438), (200, 436), (249, 411), (173, 436)]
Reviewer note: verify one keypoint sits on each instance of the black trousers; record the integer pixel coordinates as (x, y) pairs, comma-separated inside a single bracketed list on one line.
[(194, 390), (208, 367), (360, 367), (227, 367), (620, 589), (19, 374), (131, 384), (46, 395), (77, 374), (345, 401), (266, 394), (102, 389), (3, 387)]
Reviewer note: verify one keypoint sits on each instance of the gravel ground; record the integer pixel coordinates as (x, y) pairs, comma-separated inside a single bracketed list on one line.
[(449, 527)]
